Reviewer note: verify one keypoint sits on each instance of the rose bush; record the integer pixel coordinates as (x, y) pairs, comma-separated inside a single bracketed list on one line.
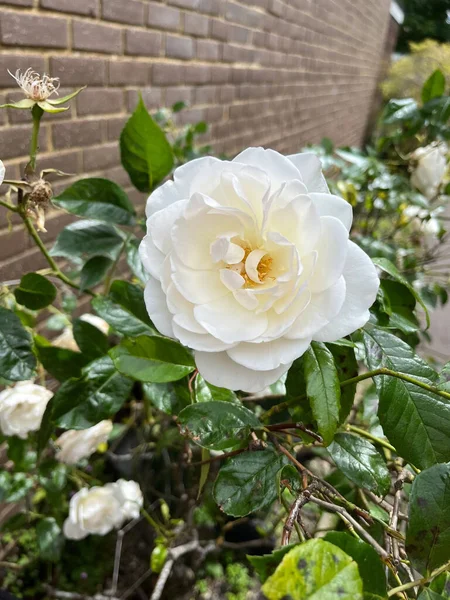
[(250, 261)]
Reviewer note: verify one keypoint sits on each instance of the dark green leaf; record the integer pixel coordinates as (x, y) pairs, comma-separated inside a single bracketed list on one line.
[(266, 564), (49, 539), (434, 86), (441, 585), (84, 239), (35, 291), (60, 362), (428, 533), (97, 198), (399, 303), (248, 482), (94, 270), (313, 570), (347, 368), (53, 476), (206, 392), (92, 342), (145, 152), (17, 361), (430, 595), (370, 567), (152, 359), (131, 297), (134, 260), (14, 486), (415, 421), (299, 407), (218, 425), (171, 398), (360, 461), (399, 110), (388, 267), (97, 395), (323, 389)]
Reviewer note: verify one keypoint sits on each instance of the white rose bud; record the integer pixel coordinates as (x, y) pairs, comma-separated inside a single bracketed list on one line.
[(22, 408), (430, 170), (75, 445), (93, 511), (250, 261), (130, 496)]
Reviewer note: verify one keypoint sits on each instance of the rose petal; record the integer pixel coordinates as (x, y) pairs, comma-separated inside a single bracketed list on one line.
[(268, 355), (332, 252), (198, 287), (196, 341), (333, 206), (362, 286), (310, 168), (160, 225), (151, 257), (218, 369), (277, 167), (156, 304)]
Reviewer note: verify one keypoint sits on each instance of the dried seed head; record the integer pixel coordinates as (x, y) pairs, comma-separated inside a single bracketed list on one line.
[(35, 86)]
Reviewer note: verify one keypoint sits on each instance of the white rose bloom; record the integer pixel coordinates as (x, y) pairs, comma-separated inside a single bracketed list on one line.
[(430, 170), (22, 408), (2, 172), (130, 497), (75, 445), (250, 260)]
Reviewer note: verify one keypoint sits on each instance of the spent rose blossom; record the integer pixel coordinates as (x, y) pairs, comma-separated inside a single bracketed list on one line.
[(75, 445), (99, 510), (250, 260), (22, 408), (430, 169)]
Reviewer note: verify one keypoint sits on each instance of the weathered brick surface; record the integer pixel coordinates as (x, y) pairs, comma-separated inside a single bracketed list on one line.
[(278, 73)]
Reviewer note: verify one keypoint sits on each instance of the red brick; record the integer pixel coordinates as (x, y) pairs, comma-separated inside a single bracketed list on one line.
[(97, 101), (208, 50), (163, 17), (114, 127), (143, 43), (151, 96), (96, 38), (101, 157), (205, 94), (20, 29), (15, 141), (128, 11), (90, 8), (77, 133), (237, 13), (24, 3), (14, 241), (178, 94), (129, 73), (12, 62), (219, 29), (196, 25), (78, 71), (168, 74), (179, 47), (197, 74)]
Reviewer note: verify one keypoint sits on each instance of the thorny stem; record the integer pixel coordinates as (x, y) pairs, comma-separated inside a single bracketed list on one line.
[(37, 113), (368, 375), (420, 582)]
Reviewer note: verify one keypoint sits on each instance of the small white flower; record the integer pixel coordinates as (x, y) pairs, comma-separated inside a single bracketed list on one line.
[(35, 86), (130, 496), (431, 167), (93, 511), (22, 408), (250, 261), (75, 445)]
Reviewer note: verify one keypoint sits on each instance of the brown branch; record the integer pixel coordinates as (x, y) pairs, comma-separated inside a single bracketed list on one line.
[(294, 514), (295, 425)]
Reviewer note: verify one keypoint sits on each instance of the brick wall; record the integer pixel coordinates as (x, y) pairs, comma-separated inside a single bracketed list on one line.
[(278, 73)]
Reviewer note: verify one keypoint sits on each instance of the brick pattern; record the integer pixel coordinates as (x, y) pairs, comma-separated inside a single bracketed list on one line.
[(277, 73)]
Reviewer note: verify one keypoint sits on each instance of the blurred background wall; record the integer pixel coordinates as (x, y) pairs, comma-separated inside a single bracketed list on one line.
[(278, 73)]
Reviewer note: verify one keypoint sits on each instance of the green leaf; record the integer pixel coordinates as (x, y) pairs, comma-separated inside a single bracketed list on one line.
[(134, 260), (49, 539), (248, 482), (171, 398), (17, 361), (347, 368), (430, 595), (97, 198), (299, 407), (434, 86), (399, 303), (415, 421), (400, 109), (370, 567), (266, 564), (361, 462), (131, 297), (388, 267), (84, 239), (323, 389), (315, 570), (428, 533), (63, 99), (218, 425), (441, 585), (60, 362), (152, 359), (91, 341), (97, 395), (35, 291), (94, 270), (145, 152), (206, 392), (14, 486)]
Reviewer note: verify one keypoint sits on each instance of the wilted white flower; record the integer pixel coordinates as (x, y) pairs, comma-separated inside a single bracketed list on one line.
[(96, 510), (250, 260), (38, 89), (431, 166), (75, 445), (22, 408), (130, 497)]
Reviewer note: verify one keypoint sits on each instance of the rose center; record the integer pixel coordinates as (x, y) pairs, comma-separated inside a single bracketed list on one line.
[(255, 266)]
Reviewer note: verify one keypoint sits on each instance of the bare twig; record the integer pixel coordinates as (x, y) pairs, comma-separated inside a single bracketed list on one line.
[(294, 425), (173, 556), (294, 514)]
